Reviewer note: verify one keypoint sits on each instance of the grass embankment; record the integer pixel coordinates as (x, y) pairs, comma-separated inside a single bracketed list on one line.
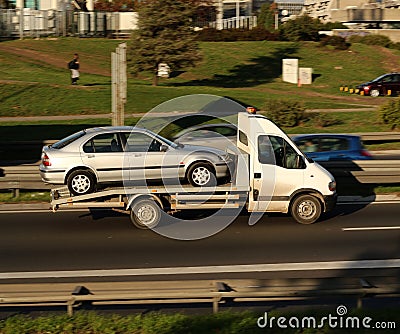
[(221, 323), (35, 80)]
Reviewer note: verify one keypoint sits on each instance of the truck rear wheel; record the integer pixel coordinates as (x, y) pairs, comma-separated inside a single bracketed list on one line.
[(145, 214), (306, 209)]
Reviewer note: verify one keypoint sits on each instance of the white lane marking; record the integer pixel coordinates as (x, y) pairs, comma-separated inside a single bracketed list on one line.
[(242, 268), (372, 228), (369, 203)]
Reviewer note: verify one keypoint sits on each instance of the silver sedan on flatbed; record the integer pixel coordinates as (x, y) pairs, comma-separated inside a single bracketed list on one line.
[(119, 154)]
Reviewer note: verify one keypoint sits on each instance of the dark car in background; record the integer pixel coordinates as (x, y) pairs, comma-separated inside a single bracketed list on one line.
[(386, 84), (332, 147)]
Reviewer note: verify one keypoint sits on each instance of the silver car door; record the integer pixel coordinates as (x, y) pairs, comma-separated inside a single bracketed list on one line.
[(103, 153), (148, 157)]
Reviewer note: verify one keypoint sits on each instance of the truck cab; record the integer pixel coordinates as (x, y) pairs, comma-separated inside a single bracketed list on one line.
[(281, 177)]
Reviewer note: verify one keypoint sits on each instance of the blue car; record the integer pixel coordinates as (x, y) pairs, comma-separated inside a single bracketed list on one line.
[(328, 147)]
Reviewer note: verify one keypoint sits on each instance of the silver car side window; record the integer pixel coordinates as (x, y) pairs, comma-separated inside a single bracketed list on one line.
[(103, 143), (141, 142)]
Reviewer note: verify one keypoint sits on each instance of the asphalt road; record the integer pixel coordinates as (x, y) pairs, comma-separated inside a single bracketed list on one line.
[(79, 242)]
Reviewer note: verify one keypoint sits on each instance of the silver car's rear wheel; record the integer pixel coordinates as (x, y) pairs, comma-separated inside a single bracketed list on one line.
[(201, 175), (81, 182), (374, 93)]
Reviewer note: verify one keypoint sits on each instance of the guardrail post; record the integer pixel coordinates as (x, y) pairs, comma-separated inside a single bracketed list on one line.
[(15, 192), (215, 304), (70, 307), (359, 302)]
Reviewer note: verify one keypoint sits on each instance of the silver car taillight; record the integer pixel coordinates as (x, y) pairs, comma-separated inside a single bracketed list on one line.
[(46, 160)]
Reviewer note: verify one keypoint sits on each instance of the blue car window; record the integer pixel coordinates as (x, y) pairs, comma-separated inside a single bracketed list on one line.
[(334, 144)]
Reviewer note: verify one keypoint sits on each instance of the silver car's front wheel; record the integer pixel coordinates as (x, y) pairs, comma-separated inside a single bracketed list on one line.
[(81, 182), (201, 175)]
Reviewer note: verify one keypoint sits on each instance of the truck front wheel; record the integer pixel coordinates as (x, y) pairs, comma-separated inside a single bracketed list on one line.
[(145, 214), (306, 209)]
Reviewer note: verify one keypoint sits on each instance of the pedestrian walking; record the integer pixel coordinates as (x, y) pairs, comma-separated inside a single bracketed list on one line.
[(73, 65)]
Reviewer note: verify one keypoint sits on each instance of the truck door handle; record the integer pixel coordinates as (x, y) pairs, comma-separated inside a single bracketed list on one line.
[(90, 156), (257, 175)]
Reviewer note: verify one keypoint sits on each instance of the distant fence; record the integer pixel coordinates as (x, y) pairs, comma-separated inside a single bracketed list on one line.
[(20, 23), (241, 22)]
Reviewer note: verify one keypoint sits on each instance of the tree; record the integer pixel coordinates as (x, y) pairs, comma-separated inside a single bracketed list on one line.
[(266, 17), (303, 28), (165, 35), (115, 5)]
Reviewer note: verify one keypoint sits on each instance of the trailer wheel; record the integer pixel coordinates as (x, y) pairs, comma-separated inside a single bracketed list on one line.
[(81, 182), (145, 214), (201, 174), (306, 209)]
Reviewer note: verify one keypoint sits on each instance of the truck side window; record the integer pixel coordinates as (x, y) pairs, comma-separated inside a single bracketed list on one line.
[(243, 138), (280, 152), (265, 151)]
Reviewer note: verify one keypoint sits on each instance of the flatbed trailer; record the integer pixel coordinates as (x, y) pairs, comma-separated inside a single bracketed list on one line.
[(144, 203)]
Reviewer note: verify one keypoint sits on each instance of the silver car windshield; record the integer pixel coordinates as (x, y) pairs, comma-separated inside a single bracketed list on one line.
[(68, 140)]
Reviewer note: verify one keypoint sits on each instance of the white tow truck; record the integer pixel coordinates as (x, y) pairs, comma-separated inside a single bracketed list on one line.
[(270, 175)]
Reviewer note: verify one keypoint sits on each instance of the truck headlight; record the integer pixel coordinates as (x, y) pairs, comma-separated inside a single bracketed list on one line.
[(332, 185)]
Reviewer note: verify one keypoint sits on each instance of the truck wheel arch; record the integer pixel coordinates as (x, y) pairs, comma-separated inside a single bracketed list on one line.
[(311, 192), (144, 196)]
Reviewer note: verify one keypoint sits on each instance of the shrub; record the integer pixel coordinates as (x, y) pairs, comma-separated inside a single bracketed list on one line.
[(339, 43), (355, 39), (303, 28), (390, 113), (233, 35), (323, 120), (380, 40), (377, 40), (395, 46), (285, 113)]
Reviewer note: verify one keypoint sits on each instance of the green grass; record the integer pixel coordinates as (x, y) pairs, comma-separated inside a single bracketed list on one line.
[(249, 72), (161, 323), (25, 196)]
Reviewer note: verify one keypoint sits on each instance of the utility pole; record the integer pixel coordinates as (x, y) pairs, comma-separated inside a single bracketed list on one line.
[(119, 84)]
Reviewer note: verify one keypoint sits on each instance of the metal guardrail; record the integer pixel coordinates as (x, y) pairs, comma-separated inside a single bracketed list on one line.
[(217, 293), (367, 172)]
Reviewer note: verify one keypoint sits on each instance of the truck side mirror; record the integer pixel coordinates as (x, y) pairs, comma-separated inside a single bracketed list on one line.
[(163, 148), (300, 164)]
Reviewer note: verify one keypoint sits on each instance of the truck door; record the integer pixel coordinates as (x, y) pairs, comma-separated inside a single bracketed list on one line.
[(278, 171)]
